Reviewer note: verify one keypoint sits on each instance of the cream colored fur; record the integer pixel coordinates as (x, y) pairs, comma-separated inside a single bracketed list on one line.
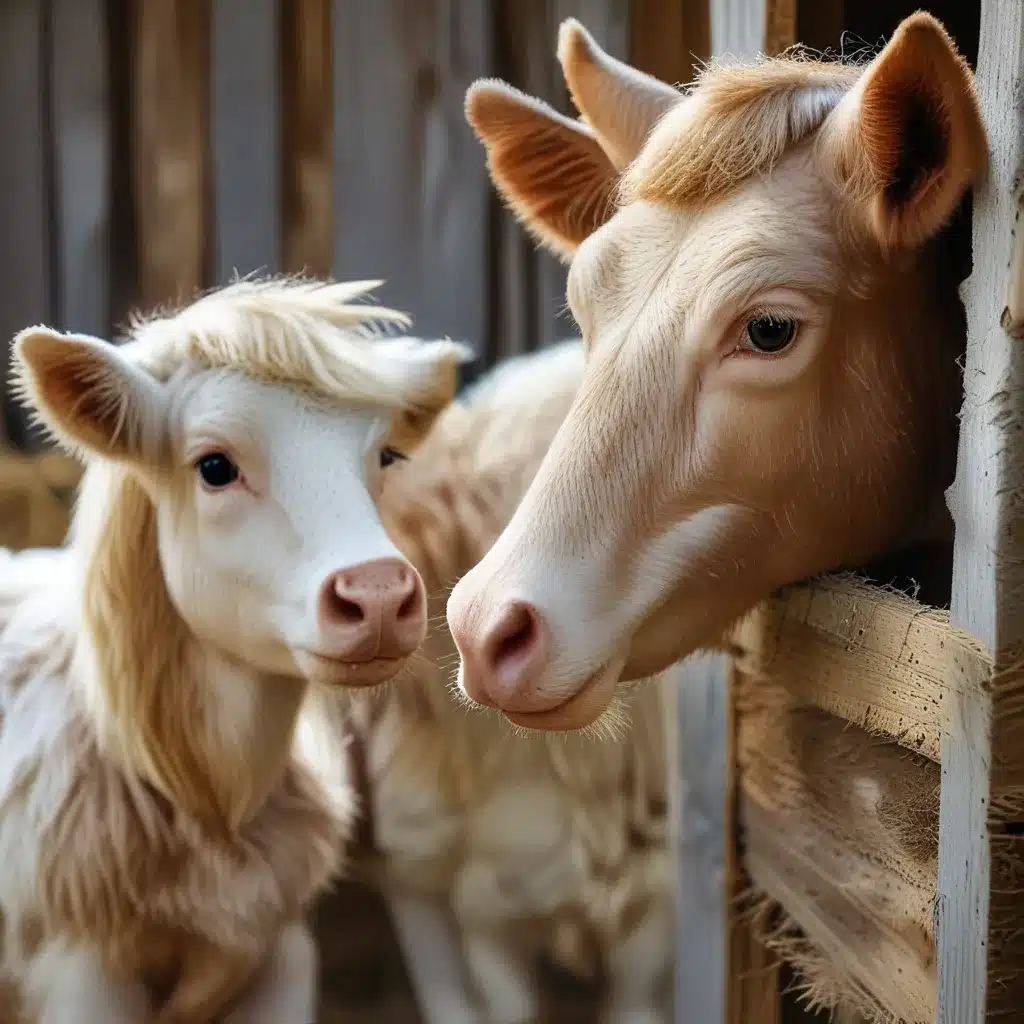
[(701, 468), (553, 845), (169, 805)]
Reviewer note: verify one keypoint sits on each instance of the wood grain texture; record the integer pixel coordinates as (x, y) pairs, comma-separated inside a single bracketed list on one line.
[(171, 126), (25, 257), (245, 137), (840, 837), (843, 940), (669, 38), (752, 978), (981, 859), (410, 185), (307, 200), (873, 657), (82, 153), (780, 25)]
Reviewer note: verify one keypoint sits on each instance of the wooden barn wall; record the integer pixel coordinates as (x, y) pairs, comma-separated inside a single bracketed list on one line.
[(156, 147)]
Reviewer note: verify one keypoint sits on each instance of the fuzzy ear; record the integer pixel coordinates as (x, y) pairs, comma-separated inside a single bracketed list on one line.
[(619, 102), (551, 170), (88, 394), (907, 141), (435, 367)]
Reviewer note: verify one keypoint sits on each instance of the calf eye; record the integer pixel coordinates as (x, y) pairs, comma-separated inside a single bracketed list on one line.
[(770, 334), (390, 455), (217, 471)]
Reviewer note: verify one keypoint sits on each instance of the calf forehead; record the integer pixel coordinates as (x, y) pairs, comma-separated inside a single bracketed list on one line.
[(277, 418)]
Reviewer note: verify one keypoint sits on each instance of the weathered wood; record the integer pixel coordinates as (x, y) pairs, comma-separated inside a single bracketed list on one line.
[(780, 25), (245, 137), (171, 64), (752, 969), (410, 186), (307, 203), (840, 837), (738, 27), (24, 208), (82, 146), (981, 942), (826, 891), (669, 38), (874, 657), (702, 796)]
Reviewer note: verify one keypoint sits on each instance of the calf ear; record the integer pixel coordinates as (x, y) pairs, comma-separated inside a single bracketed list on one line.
[(432, 370), (907, 141), (551, 170), (619, 102), (88, 395)]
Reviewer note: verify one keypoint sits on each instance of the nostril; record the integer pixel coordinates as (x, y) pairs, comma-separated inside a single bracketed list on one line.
[(345, 610), (409, 607), (515, 639), (518, 641), (336, 606)]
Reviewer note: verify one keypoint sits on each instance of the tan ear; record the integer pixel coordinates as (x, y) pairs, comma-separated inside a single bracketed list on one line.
[(620, 103), (88, 394), (551, 170), (907, 141)]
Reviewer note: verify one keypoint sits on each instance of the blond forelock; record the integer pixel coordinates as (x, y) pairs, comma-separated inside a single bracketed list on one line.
[(737, 122)]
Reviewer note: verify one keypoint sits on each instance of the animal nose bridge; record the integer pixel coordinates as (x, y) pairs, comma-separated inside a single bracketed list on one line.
[(376, 609), (375, 581)]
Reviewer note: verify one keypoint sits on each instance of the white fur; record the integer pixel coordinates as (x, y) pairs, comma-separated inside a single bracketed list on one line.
[(170, 801), (526, 839)]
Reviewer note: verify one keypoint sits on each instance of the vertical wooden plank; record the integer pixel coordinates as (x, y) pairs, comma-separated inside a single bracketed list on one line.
[(738, 27), (670, 39), (703, 797), (245, 137), (307, 200), (779, 25), (981, 830), (523, 276), (81, 98), (410, 186), (171, 68), (25, 272)]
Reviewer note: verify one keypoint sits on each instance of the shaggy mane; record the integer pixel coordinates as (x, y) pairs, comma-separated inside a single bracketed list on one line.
[(736, 122), (294, 331)]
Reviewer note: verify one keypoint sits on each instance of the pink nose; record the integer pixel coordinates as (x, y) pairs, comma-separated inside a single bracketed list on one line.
[(503, 663), (374, 610)]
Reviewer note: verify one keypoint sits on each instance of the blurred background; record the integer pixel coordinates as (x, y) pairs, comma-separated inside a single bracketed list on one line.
[(151, 148)]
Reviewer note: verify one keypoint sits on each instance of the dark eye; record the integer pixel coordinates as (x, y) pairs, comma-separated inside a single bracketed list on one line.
[(770, 334), (217, 471), (390, 455)]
